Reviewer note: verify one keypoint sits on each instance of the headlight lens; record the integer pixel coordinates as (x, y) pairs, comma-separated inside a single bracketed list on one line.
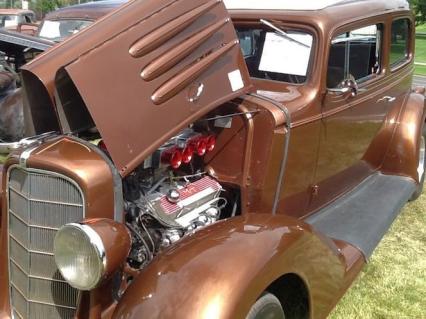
[(80, 256)]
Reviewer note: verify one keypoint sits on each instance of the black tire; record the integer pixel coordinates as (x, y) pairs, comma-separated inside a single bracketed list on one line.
[(266, 307), (420, 187)]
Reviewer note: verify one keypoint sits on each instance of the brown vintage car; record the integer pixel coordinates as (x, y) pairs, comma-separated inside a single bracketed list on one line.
[(64, 22), (198, 161)]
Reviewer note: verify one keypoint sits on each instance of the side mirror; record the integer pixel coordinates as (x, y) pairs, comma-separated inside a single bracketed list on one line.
[(348, 89)]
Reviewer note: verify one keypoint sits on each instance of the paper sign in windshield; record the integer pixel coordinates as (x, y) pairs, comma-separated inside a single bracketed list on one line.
[(286, 55), (50, 30)]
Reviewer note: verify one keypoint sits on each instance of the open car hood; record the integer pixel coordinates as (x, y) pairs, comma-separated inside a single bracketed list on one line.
[(14, 42), (144, 73)]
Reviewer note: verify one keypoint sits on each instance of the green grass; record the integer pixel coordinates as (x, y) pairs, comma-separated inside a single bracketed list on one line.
[(420, 70), (420, 51), (393, 284), (421, 28)]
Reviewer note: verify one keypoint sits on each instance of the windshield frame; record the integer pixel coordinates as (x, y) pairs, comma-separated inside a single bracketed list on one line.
[(286, 26)]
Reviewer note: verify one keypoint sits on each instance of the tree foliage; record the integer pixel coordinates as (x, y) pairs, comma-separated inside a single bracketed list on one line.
[(41, 7), (419, 7), (45, 6)]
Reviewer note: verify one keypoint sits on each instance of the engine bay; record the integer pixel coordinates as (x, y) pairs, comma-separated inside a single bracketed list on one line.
[(171, 195)]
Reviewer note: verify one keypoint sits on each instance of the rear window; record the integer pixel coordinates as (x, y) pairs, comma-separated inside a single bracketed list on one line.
[(400, 42), (276, 56)]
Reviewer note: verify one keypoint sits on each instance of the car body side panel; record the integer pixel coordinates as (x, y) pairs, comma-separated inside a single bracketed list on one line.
[(402, 156), (220, 271)]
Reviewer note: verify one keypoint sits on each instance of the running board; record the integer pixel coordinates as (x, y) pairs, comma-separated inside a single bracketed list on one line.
[(363, 216)]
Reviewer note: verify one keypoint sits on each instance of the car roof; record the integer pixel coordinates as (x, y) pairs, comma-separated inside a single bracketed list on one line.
[(86, 11), (15, 11), (330, 15), (305, 5)]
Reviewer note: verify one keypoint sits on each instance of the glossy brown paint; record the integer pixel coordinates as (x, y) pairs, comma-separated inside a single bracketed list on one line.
[(402, 155), (364, 119), (221, 270), (77, 161), (247, 147), (116, 240), (226, 287), (139, 29), (323, 124)]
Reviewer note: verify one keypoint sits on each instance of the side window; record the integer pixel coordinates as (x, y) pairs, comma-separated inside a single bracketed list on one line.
[(248, 41), (355, 55), (400, 36)]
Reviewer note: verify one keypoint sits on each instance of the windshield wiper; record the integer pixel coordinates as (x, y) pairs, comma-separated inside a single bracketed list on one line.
[(282, 33)]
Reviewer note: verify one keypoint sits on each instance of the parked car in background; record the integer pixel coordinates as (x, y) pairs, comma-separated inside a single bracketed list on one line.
[(11, 18), (64, 22), (20, 48), (193, 160)]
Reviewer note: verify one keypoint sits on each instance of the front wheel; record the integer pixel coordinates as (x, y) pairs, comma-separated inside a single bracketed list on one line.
[(421, 166), (266, 307)]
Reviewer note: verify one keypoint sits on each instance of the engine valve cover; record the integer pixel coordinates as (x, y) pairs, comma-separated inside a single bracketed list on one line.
[(194, 199)]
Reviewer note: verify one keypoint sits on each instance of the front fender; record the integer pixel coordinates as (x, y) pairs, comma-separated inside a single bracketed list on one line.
[(221, 270), (403, 153)]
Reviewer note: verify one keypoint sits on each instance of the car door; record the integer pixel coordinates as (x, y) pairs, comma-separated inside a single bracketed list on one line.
[(354, 110)]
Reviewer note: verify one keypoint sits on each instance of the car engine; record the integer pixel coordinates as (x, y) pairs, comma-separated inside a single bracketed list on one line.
[(170, 196)]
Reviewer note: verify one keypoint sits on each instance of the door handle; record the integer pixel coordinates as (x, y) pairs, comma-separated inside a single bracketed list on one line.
[(387, 98)]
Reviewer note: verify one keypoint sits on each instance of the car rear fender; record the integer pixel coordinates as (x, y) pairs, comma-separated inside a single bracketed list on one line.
[(403, 153), (221, 270)]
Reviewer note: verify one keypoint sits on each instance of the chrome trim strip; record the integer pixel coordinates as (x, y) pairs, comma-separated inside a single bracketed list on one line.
[(19, 315), (25, 155), (7, 147), (118, 183)]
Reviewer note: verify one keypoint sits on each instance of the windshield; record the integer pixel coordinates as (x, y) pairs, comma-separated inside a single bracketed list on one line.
[(276, 55), (61, 29), (7, 20)]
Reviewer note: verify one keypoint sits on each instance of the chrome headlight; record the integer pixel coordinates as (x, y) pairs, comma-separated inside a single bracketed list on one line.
[(88, 253), (80, 256)]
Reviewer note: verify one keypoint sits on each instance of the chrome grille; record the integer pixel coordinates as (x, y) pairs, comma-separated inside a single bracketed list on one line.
[(39, 203)]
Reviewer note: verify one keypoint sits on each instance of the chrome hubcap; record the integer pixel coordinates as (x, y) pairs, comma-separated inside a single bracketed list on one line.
[(422, 151)]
